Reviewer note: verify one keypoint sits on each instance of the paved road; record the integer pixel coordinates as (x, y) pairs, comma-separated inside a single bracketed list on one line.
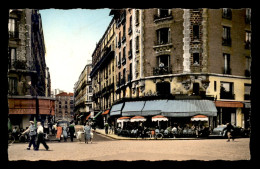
[(103, 149)]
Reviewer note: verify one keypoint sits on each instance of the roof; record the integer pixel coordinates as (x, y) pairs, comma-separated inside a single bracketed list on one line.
[(65, 94)]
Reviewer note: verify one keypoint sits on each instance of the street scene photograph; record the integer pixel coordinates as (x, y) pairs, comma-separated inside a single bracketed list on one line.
[(129, 84)]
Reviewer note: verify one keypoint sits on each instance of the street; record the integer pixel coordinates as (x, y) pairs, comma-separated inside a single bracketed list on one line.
[(105, 149)]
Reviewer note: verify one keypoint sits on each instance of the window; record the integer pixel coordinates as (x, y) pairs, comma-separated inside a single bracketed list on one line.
[(130, 25), (124, 56), (163, 88), (248, 66), (226, 13), (12, 25), (137, 16), (119, 59), (196, 88), (248, 15), (163, 36), (124, 75), (226, 90), (196, 31), (247, 91), (12, 86), (196, 58), (130, 72), (226, 38), (163, 13), (163, 65), (123, 38), (130, 49), (215, 86), (227, 69), (248, 40), (137, 43)]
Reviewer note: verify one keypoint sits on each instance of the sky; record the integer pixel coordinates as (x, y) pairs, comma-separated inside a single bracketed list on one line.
[(70, 38)]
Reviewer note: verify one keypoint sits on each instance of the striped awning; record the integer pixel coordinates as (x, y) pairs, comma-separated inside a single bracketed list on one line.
[(186, 108), (133, 108), (88, 116), (97, 115), (105, 112), (153, 107), (116, 109)]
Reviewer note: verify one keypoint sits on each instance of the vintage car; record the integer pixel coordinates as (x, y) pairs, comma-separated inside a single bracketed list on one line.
[(220, 131)]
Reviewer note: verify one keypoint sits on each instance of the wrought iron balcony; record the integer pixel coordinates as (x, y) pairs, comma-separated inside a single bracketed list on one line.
[(163, 16), (162, 70), (22, 64)]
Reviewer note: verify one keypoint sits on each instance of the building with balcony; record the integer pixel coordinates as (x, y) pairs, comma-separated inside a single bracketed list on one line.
[(103, 73), (185, 54), (64, 106), (28, 75), (83, 95)]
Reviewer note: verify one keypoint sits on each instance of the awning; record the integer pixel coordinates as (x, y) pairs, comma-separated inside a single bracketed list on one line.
[(159, 118), (116, 109), (88, 116), (133, 108), (229, 104), (97, 114), (106, 112), (123, 119), (186, 108), (154, 107), (199, 118), (137, 118)]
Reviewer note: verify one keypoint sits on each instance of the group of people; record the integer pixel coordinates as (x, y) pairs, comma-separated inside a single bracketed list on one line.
[(87, 131), (62, 131), (36, 136)]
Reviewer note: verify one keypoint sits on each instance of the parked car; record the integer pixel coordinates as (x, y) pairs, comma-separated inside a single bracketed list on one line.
[(220, 131)]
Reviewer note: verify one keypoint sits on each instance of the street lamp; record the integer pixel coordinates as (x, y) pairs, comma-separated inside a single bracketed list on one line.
[(37, 101)]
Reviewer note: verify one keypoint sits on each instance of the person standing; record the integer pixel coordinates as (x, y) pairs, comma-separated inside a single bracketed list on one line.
[(106, 128), (40, 137), (71, 131), (65, 134), (32, 134), (87, 132), (59, 132), (230, 130)]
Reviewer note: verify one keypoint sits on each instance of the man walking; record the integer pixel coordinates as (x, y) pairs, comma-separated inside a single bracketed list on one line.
[(40, 137), (32, 133), (72, 131)]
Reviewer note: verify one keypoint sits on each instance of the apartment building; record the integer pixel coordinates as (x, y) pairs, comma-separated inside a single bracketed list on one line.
[(28, 75), (64, 106), (184, 54), (83, 96)]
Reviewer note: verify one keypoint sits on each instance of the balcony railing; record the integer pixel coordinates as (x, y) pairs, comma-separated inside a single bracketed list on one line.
[(227, 95), (22, 64), (163, 42), (162, 70)]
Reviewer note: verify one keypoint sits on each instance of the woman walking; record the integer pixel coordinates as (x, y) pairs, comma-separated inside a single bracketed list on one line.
[(65, 133), (87, 131), (59, 131)]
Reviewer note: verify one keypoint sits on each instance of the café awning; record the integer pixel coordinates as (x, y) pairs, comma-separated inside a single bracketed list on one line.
[(116, 109), (105, 112), (186, 108), (153, 107), (133, 108), (200, 118), (97, 115)]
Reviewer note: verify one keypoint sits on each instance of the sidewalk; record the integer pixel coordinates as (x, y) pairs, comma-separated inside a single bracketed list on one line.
[(114, 136)]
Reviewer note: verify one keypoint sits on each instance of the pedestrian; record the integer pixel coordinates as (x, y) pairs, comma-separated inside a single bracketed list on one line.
[(71, 131), (59, 132), (32, 134), (230, 131), (87, 132), (40, 137), (15, 132), (174, 131), (46, 127), (65, 133), (54, 129)]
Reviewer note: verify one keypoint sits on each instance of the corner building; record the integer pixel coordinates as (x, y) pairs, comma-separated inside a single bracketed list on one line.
[(195, 59)]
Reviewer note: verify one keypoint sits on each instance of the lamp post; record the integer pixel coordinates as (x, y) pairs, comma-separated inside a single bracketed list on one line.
[(36, 101)]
